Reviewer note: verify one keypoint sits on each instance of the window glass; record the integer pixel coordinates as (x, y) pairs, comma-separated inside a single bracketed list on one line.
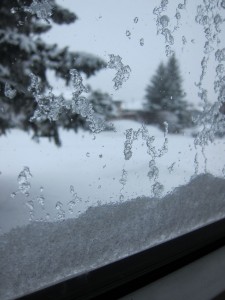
[(112, 119)]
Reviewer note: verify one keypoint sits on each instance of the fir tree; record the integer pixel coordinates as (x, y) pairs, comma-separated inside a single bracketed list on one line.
[(157, 91), (22, 52), (165, 93), (102, 103)]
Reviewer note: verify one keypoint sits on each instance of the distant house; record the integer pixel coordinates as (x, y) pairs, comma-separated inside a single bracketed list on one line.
[(118, 106), (147, 117), (131, 114)]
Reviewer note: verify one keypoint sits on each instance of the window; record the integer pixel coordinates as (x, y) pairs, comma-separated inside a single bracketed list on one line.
[(112, 122)]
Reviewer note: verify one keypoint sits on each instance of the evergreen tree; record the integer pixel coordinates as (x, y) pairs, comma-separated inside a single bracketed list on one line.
[(22, 52), (102, 103), (165, 93), (157, 91)]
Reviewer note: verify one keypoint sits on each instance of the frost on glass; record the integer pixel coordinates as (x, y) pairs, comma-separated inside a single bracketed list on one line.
[(152, 151), (142, 42), (51, 107), (129, 185), (9, 91), (123, 72), (166, 25), (24, 182), (212, 119), (41, 8)]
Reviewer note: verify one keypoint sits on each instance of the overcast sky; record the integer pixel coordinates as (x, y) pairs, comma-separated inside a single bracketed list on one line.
[(101, 30)]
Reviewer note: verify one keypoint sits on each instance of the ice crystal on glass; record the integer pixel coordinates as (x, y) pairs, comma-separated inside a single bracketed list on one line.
[(123, 72)]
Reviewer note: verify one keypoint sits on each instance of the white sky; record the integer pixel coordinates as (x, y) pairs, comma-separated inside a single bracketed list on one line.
[(101, 30)]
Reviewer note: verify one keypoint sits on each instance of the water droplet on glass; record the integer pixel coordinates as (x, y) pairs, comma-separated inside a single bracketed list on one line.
[(153, 170), (184, 41), (171, 167), (23, 181), (220, 55), (104, 166), (168, 36), (181, 6), (178, 15), (100, 156), (13, 195), (58, 205), (72, 191), (42, 9), (41, 189), (135, 20), (128, 34), (223, 171), (61, 212), (9, 92), (218, 19), (164, 21), (157, 189), (99, 187), (88, 154), (121, 197), (223, 4), (71, 204), (123, 72), (41, 200), (142, 42), (13, 10)]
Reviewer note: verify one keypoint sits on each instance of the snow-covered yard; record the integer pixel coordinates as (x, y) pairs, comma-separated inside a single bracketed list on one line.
[(92, 168)]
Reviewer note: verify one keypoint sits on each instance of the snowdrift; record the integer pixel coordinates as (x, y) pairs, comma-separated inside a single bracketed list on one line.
[(38, 254)]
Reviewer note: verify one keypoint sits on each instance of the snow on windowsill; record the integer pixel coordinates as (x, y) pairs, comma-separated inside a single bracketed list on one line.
[(41, 253)]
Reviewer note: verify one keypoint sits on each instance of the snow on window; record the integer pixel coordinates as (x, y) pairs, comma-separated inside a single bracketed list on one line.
[(135, 20), (51, 106), (123, 72), (142, 42), (41, 8), (9, 92), (212, 119), (160, 134)]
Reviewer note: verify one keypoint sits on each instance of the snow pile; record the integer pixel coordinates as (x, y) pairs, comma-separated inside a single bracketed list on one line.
[(41, 253)]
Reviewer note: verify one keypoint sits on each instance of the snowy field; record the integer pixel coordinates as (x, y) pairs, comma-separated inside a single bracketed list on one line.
[(92, 168), (100, 225)]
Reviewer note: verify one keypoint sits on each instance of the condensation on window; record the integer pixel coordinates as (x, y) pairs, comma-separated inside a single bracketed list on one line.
[(106, 143)]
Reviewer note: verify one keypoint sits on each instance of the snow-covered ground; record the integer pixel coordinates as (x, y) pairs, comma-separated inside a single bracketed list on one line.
[(81, 190), (93, 166)]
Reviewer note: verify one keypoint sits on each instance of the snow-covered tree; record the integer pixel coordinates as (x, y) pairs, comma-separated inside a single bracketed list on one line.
[(165, 94), (23, 52), (103, 103)]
